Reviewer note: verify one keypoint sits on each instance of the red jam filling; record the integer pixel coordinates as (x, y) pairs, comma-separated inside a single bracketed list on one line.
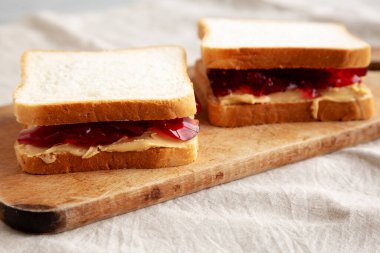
[(105, 133), (259, 82)]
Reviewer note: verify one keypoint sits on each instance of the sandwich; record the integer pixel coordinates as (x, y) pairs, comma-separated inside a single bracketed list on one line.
[(85, 111), (260, 72)]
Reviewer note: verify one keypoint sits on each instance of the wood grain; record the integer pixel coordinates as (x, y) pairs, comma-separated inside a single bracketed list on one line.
[(56, 203), (375, 59)]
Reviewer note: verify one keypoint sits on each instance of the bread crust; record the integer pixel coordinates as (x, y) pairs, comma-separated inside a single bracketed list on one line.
[(280, 57), (94, 111), (268, 58), (265, 113), (148, 159), (58, 114)]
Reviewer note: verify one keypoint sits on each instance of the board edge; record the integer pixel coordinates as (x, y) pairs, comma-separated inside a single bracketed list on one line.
[(32, 219)]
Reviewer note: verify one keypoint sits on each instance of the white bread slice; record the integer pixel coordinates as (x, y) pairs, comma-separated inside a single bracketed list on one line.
[(73, 87), (236, 115), (260, 44), (149, 159)]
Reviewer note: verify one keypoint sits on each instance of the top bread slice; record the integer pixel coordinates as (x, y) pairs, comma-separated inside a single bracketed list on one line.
[(73, 87), (254, 44)]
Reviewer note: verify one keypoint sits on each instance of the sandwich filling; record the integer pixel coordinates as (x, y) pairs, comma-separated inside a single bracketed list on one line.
[(261, 82), (253, 86), (88, 139)]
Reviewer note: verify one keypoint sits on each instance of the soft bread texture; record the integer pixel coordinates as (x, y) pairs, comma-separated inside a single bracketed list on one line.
[(148, 159), (248, 44), (74, 87), (265, 113)]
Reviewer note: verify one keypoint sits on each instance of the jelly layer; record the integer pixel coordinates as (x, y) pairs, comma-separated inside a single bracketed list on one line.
[(259, 82), (104, 133)]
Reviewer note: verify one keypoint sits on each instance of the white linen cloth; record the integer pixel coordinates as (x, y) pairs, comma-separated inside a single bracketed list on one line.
[(325, 204)]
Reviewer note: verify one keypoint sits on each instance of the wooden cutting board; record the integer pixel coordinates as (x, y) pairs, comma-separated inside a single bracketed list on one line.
[(56, 203)]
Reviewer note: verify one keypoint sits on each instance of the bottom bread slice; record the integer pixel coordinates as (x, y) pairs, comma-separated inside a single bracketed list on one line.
[(264, 113), (243, 114), (147, 159)]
